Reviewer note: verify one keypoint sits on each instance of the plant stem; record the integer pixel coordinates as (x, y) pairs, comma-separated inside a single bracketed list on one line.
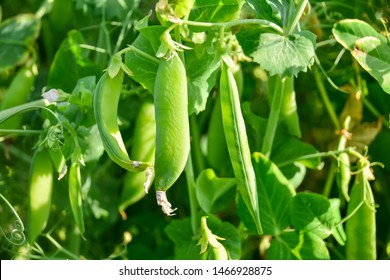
[(374, 111), (139, 52), (195, 136), (191, 193), (325, 98), (272, 123), (234, 23), (318, 155), (300, 9), (19, 131), (329, 179)]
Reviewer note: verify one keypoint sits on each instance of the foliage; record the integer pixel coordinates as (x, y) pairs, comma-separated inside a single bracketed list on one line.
[(288, 114)]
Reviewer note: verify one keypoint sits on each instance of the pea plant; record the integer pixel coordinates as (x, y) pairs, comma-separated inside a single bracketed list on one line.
[(194, 129)]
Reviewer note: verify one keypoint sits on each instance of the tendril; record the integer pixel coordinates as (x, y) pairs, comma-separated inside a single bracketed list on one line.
[(14, 231)]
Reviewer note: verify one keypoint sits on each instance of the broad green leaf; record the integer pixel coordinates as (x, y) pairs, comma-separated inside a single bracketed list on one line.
[(215, 11), (186, 248), (301, 246), (374, 56), (17, 37), (232, 241), (71, 63), (348, 31), (262, 9), (285, 55), (275, 195), (316, 214), (143, 68), (214, 194), (201, 67)]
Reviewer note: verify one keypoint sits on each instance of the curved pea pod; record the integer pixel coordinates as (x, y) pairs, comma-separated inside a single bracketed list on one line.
[(172, 127), (361, 226), (237, 143), (17, 94), (144, 146), (343, 175), (40, 193), (74, 189), (106, 101)]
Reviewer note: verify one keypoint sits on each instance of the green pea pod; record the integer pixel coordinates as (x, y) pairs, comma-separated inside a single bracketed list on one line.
[(343, 176), (106, 110), (59, 162), (75, 195), (144, 146), (361, 226), (17, 94), (237, 142), (40, 193), (172, 126)]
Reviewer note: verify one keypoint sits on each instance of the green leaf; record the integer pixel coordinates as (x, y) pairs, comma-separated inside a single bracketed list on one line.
[(17, 38), (285, 55), (215, 11), (316, 214), (144, 68), (302, 246), (231, 236), (374, 56), (214, 194), (71, 63), (348, 31), (275, 196), (201, 67), (186, 248)]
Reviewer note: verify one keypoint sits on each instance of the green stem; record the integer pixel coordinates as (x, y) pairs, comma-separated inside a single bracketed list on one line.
[(195, 144), (232, 23), (19, 131), (139, 52), (60, 248), (329, 179), (318, 155), (300, 9), (325, 98), (272, 123), (374, 111), (124, 29), (192, 195)]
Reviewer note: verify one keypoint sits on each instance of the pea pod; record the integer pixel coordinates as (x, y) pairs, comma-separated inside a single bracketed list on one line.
[(106, 110), (17, 94), (343, 176), (172, 126), (361, 226), (237, 142), (40, 193), (143, 148), (75, 195)]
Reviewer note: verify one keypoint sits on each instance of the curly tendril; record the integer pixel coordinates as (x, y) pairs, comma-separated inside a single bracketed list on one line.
[(14, 231)]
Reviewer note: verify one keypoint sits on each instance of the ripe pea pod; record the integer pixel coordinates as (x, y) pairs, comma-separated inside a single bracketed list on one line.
[(172, 127), (41, 185), (143, 148), (74, 189), (17, 94), (361, 226), (106, 101), (237, 142)]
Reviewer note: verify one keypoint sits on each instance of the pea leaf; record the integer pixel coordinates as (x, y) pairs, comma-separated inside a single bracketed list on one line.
[(298, 246), (374, 56), (186, 248), (232, 241), (215, 11), (285, 55), (274, 195), (70, 63), (348, 31), (213, 193), (315, 213), (17, 37), (144, 69), (201, 67)]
